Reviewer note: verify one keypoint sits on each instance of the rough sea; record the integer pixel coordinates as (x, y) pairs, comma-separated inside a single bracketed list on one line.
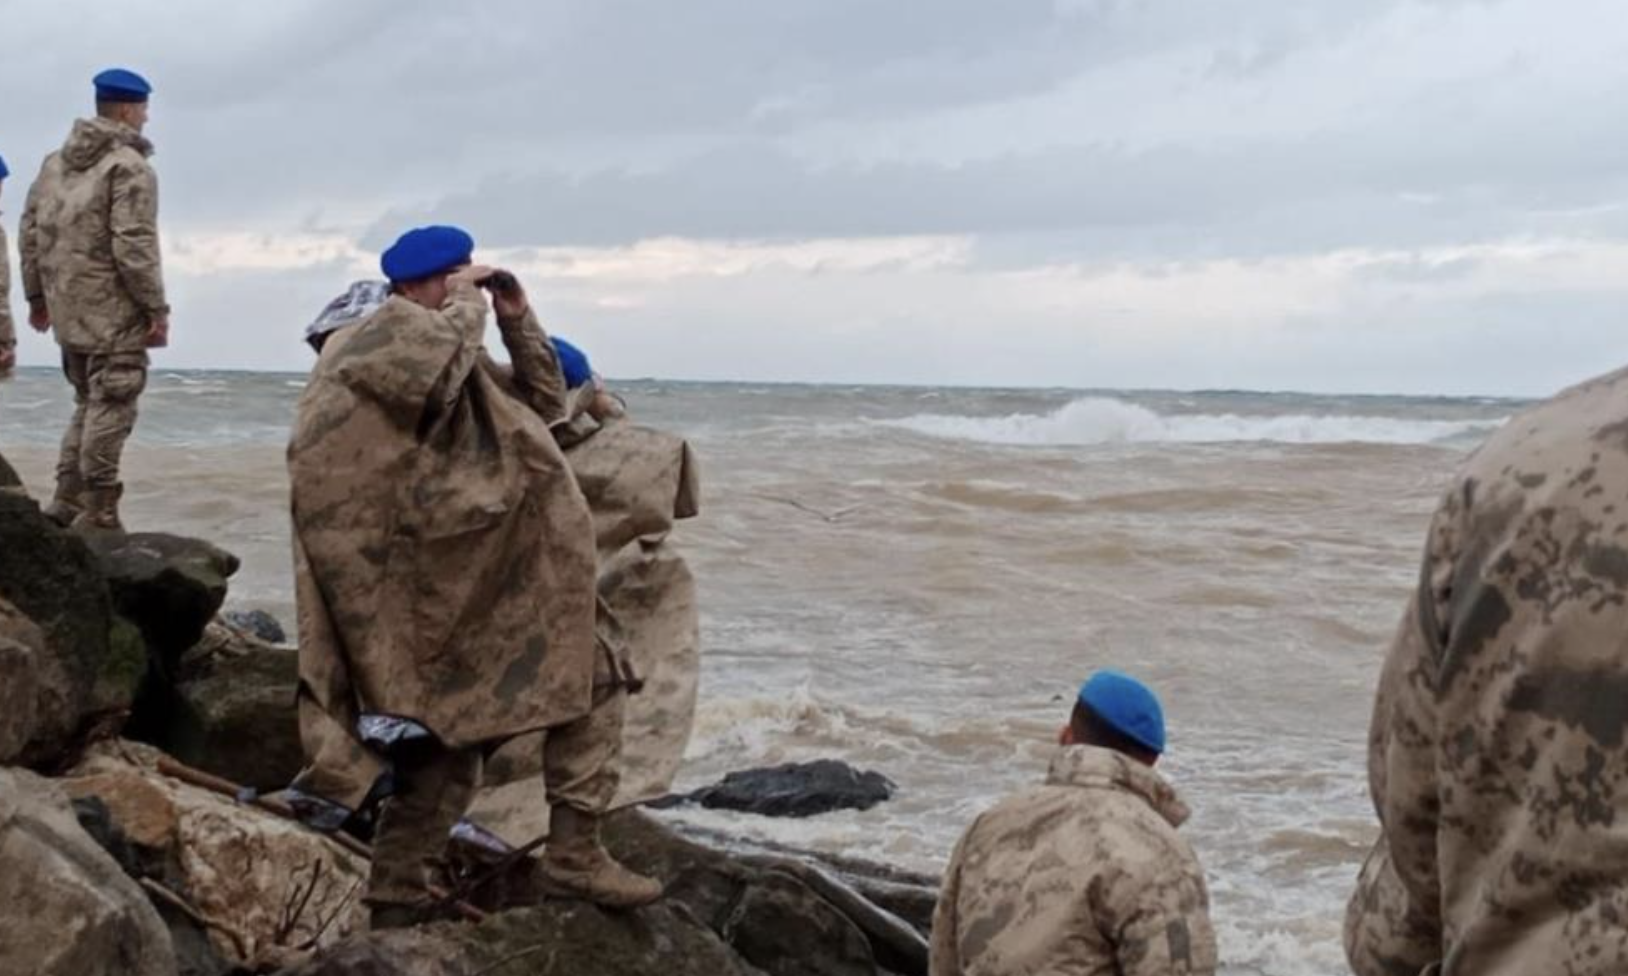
[(916, 580)]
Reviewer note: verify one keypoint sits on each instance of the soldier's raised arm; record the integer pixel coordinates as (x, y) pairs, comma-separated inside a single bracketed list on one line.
[(537, 374)]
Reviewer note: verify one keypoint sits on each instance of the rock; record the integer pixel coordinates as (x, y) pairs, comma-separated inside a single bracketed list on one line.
[(235, 714), (793, 790), (8, 475), (257, 624), (266, 885), (93, 662), (22, 650), (70, 910), (169, 586)]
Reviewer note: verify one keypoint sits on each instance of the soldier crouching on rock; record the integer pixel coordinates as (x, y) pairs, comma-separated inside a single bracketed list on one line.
[(445, 570), (1087, 873)]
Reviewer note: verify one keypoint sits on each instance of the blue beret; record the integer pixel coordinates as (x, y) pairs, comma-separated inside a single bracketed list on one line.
[(4, 172), (424, 251), (573, 363), (1127, 706), (119, 85)]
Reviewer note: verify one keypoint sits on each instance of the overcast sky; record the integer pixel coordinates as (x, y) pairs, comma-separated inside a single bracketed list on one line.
[(1330, 195)]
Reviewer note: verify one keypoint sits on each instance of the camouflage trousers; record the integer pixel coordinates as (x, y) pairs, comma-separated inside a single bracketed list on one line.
[(105, 388), (435, 785)]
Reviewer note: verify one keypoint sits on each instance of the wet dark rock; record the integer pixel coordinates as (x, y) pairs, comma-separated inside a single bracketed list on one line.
[(257, 624), (169, 586), (8, 475), (93, 661), (724, 914), (238, 717), (793, 790)]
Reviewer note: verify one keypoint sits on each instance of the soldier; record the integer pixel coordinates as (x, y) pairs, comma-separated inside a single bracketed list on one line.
[(1087, 873), (446, 573), (91, 271), (8, 329), (1498, 760)]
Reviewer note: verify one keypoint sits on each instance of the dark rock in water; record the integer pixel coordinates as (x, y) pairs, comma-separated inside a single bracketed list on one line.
[(167, 585), (256, 623), (793, 790), (238, 717), (92, 661), (724, 915)]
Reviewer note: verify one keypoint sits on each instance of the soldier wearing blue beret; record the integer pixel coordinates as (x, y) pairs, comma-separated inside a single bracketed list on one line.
[(92, 273), (8, 329)]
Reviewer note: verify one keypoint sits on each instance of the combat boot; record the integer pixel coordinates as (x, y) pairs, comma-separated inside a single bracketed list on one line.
[(101, 511), (68, 501), (576, 865)]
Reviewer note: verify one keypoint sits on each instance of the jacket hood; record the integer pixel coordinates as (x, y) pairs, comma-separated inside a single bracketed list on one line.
[(92, 139), (1091, 767)]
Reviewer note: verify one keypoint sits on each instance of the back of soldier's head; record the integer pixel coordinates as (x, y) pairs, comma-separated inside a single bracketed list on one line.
[(1115, 711)]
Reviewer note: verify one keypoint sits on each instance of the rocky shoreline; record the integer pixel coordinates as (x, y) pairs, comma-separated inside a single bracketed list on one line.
[(139, 732)]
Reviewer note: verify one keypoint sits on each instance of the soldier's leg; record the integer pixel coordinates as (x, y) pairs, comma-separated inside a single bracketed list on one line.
[(434, 786), (115, 382), (66, 503), (581, 772)]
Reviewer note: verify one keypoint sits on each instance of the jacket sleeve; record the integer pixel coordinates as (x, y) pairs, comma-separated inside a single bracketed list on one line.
[(1394, 916), (944, 948), (465, 317), (8, 329), (1163, 928), (133, 220), (537, 375), (28, 247)]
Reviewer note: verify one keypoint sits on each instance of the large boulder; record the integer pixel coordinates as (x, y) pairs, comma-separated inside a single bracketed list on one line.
[(793, 790), (9, 477), (22, 651), (237, 716), (563, 938), (169, 586), (69, 909), (91, 662), (267, 886)]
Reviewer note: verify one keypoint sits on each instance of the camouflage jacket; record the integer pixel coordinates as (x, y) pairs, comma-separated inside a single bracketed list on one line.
[(638, 482), (444, 556), (8, 328), (1497, 755), (1085, 875), (89, 239)]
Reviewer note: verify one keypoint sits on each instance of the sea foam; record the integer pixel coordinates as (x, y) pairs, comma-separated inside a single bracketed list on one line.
[(1104, 420)]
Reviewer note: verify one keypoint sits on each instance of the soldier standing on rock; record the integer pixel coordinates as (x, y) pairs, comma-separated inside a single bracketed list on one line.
[(1087, 873), (8, 329), (91, 272), (1498, 753), (445, 570)]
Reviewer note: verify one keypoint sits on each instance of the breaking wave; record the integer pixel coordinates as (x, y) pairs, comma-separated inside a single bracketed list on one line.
[(1101, 420)]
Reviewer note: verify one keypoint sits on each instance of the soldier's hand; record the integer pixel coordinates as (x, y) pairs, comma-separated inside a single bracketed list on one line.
[(508, 295), (39, 316), (158, 331), (468, 276)]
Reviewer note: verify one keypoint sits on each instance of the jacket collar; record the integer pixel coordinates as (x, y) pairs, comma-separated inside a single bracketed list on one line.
[(1091, 767)]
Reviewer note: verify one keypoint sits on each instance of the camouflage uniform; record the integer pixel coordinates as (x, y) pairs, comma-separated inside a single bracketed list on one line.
[(90, 253), (8, 328), (445, 570), (1497, 755), (638, 482), (1084, 875)]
